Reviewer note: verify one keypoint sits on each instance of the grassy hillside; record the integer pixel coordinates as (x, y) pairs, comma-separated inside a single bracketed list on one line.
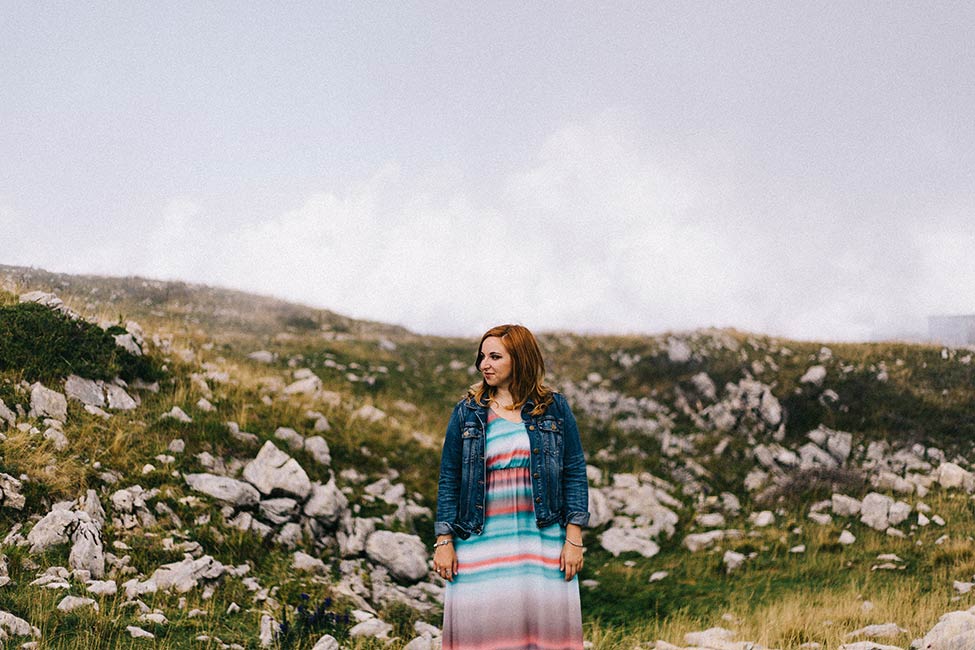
[(647, 418)]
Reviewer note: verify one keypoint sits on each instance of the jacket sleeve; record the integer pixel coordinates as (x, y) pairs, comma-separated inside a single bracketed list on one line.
[(575, 484), (448, 486)]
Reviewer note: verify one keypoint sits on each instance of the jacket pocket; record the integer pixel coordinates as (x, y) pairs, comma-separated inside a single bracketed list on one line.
[(470, 455)]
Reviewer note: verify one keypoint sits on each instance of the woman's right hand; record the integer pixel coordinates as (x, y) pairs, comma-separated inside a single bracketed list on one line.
[(445, 562)]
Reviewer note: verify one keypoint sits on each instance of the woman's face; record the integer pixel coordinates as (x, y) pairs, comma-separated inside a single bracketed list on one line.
[(496, 364)]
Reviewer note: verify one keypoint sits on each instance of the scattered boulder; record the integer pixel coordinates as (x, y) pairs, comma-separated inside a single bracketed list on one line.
[(10, 496), (815, 375), (404, 555), (47, 403), (327, 502), (120, 400), (232, 491), (86, 391), (622, 540), (275, 471), (69, 603)]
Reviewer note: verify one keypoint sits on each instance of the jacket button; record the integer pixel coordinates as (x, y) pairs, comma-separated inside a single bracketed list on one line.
[(535, 450), (480, 507), (531, 427), (538, 499), (536, 475)]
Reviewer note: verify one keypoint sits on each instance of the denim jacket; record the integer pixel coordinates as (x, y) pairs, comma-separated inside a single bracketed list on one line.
[(560, 489)]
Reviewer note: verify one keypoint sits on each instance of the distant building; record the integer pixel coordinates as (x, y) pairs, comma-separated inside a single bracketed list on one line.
[(952, 330)]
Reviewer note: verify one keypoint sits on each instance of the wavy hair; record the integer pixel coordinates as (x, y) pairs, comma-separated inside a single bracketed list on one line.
[(527, 369)]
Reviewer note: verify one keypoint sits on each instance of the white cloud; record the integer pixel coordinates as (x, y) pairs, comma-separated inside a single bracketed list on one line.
[(606, 231)]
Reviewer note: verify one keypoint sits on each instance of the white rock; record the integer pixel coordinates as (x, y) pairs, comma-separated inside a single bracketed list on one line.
[(874, 510), (318, 448), (878, 631), (700, 541), (307, 386), (7, 416), (86, 391), (292, 438), (261, 356), (10, 495), (801, 548), (138, 632), (762, 519), (373, 627), (814, 375), (120, 400), (950, 475), (50, 301), (821, 518), (732, 560), (69, 603), (102, 587), (273, 470), (327, 502), (327, 642), (205, 405), (422, 642), (922, 520), (237, 493), (53, 529), (128, 343), (46, 403), (938, 520), (304, 562), (404, 555), (899, 512), (962, 587), (953, 631), (16, 626), (678, 351), (845, 506), (618, 540), (176, 446), (847, 538), (710, 520), (176, 413), (369, 413), (278, 511), (185, 575), (87, 553), (715, 637), (868, 645)]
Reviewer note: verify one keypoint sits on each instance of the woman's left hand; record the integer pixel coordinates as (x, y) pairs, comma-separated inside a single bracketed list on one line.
[(570, 561)]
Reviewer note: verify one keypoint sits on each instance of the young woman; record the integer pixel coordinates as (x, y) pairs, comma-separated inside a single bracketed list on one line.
[(512, 501)]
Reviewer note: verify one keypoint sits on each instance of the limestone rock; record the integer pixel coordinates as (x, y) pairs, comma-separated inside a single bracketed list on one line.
[(373, 627), (953, 631), (275, 471), (178, 414), (69, 603), (185, 575), (278, 511), (621, 540), (266, 635), (700, 541), (874, 510), (950, 475), (327, 502), (10, 496), (120, 400), (732, 560), (138, 633), (288, 435), (304, 562), (46, 403), (223, 488), (845, 506), (404, 555), (306, 386), (318, 448), (86, 391), (815, 375), (6, 415), (53, 529), (16, 626), (847, 538), (87, 553), (327, 642)]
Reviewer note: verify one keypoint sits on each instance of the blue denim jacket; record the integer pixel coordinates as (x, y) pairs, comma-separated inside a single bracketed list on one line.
[(560, 489)]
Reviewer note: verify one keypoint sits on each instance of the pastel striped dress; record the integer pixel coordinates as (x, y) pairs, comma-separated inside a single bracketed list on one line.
[(509, 593)]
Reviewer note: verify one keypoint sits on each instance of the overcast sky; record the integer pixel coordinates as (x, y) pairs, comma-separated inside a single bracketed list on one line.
[(801, 169)]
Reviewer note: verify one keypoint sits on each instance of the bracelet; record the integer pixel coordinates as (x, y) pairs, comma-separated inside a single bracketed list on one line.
[(443, 543), (574, 544)]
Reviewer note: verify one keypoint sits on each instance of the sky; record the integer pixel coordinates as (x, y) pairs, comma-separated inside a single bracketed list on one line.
[(802, 169)]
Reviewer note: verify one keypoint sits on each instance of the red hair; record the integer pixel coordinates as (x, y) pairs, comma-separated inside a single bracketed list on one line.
[(527, 369)]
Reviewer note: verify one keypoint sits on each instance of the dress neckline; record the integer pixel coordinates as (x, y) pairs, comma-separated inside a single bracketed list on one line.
[(501, 417)]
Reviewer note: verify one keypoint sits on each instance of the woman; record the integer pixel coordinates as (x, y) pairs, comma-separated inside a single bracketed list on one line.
[(511, 504)]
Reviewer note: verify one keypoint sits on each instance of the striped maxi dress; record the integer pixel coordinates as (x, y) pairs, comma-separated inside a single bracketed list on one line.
[(509, 593)]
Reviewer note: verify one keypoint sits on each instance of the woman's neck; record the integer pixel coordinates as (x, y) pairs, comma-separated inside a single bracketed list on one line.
[(502, 397)]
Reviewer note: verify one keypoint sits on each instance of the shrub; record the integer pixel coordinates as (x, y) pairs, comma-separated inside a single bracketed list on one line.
[(43, 345)]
